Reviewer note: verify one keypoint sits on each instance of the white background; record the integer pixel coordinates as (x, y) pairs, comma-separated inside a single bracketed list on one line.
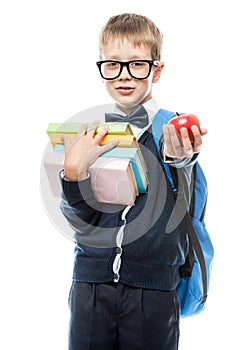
[(48, 74)]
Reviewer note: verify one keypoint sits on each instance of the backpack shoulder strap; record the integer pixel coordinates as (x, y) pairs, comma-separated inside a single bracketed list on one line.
[(200, 192), (162, 117), (194, 240)]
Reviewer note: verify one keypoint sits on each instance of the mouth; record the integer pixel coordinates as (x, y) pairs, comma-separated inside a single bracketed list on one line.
[(125, 89)]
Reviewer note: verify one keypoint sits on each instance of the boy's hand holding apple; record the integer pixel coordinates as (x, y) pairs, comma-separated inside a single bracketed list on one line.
[(183, 136)]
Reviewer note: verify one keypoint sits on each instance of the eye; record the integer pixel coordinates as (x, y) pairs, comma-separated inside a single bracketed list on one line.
[(138, 64), (112, 65)]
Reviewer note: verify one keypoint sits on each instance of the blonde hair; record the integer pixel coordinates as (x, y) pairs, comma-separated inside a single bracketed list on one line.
[(138, 29)]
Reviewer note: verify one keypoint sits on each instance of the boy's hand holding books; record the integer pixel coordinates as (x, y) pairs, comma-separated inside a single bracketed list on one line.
[(84, 150)]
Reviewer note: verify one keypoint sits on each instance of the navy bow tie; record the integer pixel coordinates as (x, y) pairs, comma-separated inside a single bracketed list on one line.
[(138, 117)]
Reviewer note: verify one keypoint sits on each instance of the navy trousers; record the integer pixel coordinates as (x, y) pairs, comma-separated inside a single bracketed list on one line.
[(114, 316)]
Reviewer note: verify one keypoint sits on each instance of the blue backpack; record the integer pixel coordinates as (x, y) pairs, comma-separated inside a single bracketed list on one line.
[(195, 273)]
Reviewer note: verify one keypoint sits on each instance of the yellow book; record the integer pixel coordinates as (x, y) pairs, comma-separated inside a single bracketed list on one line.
[(56, 138), (125, 140)]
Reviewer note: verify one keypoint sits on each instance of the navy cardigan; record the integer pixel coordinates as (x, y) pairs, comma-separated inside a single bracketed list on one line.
[(154, 243)]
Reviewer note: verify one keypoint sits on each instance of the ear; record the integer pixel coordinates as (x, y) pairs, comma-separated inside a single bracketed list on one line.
[(157, 72)]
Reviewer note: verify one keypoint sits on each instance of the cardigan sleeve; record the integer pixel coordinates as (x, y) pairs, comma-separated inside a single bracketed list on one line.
[(181, 162), (83, 212), (78, 204)]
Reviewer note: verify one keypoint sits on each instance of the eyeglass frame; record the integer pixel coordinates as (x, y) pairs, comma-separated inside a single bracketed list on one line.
[(126, 64)]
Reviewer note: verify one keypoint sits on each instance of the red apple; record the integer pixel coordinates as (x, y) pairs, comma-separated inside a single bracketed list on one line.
[(185, 120)]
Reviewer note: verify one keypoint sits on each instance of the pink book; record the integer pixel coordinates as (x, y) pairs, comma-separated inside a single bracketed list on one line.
[(113, 181), (53, 164)]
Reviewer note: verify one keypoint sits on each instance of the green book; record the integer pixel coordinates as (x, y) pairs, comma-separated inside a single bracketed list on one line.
[(73, 128), (136, 162), (63, 128)]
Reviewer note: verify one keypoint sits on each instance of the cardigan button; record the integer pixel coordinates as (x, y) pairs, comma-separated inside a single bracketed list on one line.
[(116, 277), (119, 250)]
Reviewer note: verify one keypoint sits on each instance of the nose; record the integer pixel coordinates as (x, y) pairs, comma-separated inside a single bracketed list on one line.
[(125, 73)]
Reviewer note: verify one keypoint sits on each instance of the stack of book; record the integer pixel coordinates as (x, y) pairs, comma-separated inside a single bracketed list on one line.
[(119, 175)]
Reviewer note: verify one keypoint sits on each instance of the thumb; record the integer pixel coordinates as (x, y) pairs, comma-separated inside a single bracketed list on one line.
[(203, 131), (66, 142)]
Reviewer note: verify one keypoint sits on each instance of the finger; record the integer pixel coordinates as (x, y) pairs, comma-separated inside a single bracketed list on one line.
[(66, 142), (187, 145), (174, 137), (108, 146), (93, 127), (82, 130), (168, 146), (197, 139), (166, 135), (203, 131), (195, 131), (101, 134)]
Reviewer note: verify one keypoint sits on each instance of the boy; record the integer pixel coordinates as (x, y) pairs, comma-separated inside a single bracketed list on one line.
[(126, 268)]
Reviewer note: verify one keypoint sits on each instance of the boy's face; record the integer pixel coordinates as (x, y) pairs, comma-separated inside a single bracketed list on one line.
[(127, 91)]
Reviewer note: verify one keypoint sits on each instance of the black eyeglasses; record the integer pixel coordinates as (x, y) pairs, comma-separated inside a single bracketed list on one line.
[(138, 69)]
